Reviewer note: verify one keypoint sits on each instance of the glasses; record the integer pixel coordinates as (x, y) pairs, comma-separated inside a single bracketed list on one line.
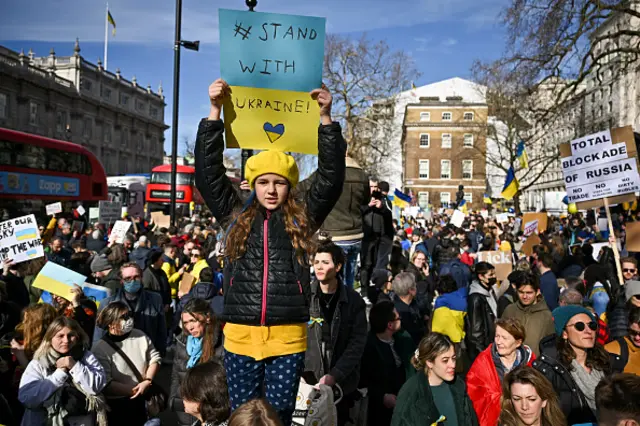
[(634, 333), (580, 326), (628, 270)]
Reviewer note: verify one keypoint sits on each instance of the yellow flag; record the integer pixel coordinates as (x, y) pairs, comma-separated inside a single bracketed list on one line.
[(112, 22)]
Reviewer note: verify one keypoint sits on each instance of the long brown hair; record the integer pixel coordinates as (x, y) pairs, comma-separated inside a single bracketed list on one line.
[(597, 357), (200, 310), (551, 414), (296, 224), (36, 319)]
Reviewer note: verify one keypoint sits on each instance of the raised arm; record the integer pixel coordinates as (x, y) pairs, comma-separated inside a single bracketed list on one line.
[(211, 175)]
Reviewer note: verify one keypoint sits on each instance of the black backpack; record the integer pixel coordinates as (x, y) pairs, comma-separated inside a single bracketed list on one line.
[(619, 362)]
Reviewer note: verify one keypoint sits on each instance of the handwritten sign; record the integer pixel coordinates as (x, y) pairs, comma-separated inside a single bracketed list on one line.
[(272, 62), (119, 231), (530, 227), (94, 213), (532, 241), (186, 283), (20, 239), (457, 218), (53, 208), (503, 261), (161, 219), (109, 211), (80, 210)]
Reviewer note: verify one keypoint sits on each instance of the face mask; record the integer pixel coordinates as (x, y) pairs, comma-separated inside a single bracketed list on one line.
[(132, 287), (492, 281), (126, 325)]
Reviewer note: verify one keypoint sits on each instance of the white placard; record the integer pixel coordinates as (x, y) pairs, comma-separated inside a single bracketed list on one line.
[(457, 218), (119, 231), (110, 211), (94, 213), (484, 213), (54, 208), (80, 210), (603, 224), (502, 217), (530, 227), (20, 239)]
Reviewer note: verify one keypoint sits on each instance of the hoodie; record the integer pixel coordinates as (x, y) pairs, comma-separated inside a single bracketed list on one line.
[(536, 320), (476, 287), (449, 312)]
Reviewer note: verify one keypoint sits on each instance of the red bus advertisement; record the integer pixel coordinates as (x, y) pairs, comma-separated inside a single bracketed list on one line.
[(159, 189), (35, 171)]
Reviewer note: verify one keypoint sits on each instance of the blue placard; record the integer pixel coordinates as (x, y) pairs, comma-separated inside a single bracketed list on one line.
[(271, 50), (29, 184)]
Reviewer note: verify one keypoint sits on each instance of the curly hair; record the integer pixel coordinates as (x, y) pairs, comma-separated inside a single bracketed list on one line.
[(296, 224), (597, 357), (36, 319)]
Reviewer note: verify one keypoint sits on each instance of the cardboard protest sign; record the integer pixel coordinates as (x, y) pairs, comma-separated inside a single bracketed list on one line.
[(601, 165), (530, 243), (81, 210), (542, 219), (272, 62), (20, 239), (633, 236), (58, 280), (186, 283), (502, 260), (119, 231), (457, 219), (109, 211), (54, 208), (161, 219), (530, 227)]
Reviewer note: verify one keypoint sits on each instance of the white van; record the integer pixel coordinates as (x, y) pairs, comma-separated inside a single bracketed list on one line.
[(130, 191)]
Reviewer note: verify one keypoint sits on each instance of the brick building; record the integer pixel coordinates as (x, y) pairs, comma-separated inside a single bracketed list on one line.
[(444, 145)]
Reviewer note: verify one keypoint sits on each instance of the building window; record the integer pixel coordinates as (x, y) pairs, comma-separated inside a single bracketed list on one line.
[(468, 197), (423, 171), (609, 107), (446, 116), (424, 140), (446, 140), (60, 121), (3, 106), (139, 105), (107, 133), (445, 199), (445, 169), (468, 140), (153, 112), (141, 142), (125, 137), (105, 92), (468, 116), (423, 199), (86, 85), (87, 127), (33, 113), (124, 99), (467, 169), (425, 116)]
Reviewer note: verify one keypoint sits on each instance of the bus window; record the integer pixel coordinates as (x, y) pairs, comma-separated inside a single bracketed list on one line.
[(165, 178)]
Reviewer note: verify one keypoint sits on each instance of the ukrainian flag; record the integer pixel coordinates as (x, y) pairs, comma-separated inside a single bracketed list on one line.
[(511, 185), (486, 199), (26, 234), (521, 154), (463, 206), (112, 22), (401, 199)]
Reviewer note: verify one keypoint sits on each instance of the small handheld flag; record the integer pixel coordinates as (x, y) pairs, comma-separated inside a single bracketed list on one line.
[(511, 185)]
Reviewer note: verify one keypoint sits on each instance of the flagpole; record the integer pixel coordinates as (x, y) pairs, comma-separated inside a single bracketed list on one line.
[(106, 35)]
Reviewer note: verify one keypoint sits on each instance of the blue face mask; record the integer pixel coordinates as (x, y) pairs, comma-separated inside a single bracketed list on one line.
[(132, 287)]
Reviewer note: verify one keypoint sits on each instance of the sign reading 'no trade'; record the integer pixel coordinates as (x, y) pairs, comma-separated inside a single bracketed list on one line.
[(598, 168)]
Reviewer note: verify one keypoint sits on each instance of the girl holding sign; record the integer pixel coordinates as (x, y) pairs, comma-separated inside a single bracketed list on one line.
[(267, 248)]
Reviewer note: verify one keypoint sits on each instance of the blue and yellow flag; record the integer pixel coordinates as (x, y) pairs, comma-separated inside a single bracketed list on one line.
[(521, 154), (401, 199), (463, 206), (511, 185), (112, 22), (486, 199)]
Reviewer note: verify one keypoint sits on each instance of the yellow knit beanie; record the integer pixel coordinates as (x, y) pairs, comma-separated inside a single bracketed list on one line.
[(275, 162)]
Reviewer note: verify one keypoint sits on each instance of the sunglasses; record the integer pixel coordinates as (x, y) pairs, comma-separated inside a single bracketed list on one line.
[(633, 333), (580, 326), (628, 270)]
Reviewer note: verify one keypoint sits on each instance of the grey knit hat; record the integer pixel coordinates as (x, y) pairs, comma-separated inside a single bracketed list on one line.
[(99, 264)]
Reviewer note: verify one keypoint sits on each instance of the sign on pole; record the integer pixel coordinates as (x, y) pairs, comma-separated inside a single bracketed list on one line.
[(20, 240), (272, 62), (110, 211), (54, 208)]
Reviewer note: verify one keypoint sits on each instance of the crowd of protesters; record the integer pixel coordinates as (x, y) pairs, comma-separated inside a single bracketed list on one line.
[(431, 336)]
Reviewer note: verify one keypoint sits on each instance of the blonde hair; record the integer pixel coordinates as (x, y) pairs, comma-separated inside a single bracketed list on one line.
[(429, 348), (58, 324), (256, 412)]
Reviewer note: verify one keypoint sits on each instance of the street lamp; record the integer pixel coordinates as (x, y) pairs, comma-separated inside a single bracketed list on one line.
[(190, 45)]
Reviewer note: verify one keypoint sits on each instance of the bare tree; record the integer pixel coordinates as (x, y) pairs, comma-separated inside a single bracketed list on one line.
[(563, 43), (361, 72)]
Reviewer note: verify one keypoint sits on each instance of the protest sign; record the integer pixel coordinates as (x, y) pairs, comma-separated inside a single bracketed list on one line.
[(161, 219), (603, 224), (272, 62), (54, 208), (502, 260), (80, 210), (532, 241), (20, 239), (58, 280), (94, 213), (457, 219), (109, 211), (530, 227), (633, 237), (542, 219), (77, 225), (596, 249), (502, 218), (601, 165), (484, 213), (119, 231), (186, 283)]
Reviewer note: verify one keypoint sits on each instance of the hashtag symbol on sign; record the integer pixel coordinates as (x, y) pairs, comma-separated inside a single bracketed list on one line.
[(244, 32)]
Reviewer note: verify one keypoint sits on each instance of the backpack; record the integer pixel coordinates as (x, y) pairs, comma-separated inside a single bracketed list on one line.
[(457, 270), (619, 362)]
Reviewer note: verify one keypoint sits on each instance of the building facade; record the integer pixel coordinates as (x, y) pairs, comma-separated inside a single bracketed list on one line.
[(444, 146), (69, 98)]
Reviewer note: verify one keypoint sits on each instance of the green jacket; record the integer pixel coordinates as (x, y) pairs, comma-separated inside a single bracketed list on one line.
[(415, 406)]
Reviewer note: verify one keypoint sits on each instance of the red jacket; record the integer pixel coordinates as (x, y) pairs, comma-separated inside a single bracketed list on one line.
[(484, 387), (466, 259)]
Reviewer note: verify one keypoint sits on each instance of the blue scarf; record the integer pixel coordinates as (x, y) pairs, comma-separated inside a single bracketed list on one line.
[(194, 349)]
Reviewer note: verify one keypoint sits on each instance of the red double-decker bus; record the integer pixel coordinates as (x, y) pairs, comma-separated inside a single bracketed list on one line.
[(159, 189), (35, 171)]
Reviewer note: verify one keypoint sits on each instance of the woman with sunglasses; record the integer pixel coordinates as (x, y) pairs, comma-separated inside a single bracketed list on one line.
[(574, 362), (125, 392), (198, 262)]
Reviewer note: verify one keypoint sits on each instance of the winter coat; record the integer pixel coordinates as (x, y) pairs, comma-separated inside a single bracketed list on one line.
[(485, 387), (536, 320), (267, 285), (617, 315), (449, 312), (348, 338), (480, 320), (415, 405), (425, 287), (412, 319), (62, 257), (572, 401), (156, 280), (37, 385), (139, 256), (458, 270), (380, 376), (345, 220), (549, 289), (96, 246), (148, 316), (508, 297)]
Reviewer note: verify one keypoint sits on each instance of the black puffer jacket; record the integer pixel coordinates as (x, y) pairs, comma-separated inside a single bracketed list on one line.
[(280, 296)]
